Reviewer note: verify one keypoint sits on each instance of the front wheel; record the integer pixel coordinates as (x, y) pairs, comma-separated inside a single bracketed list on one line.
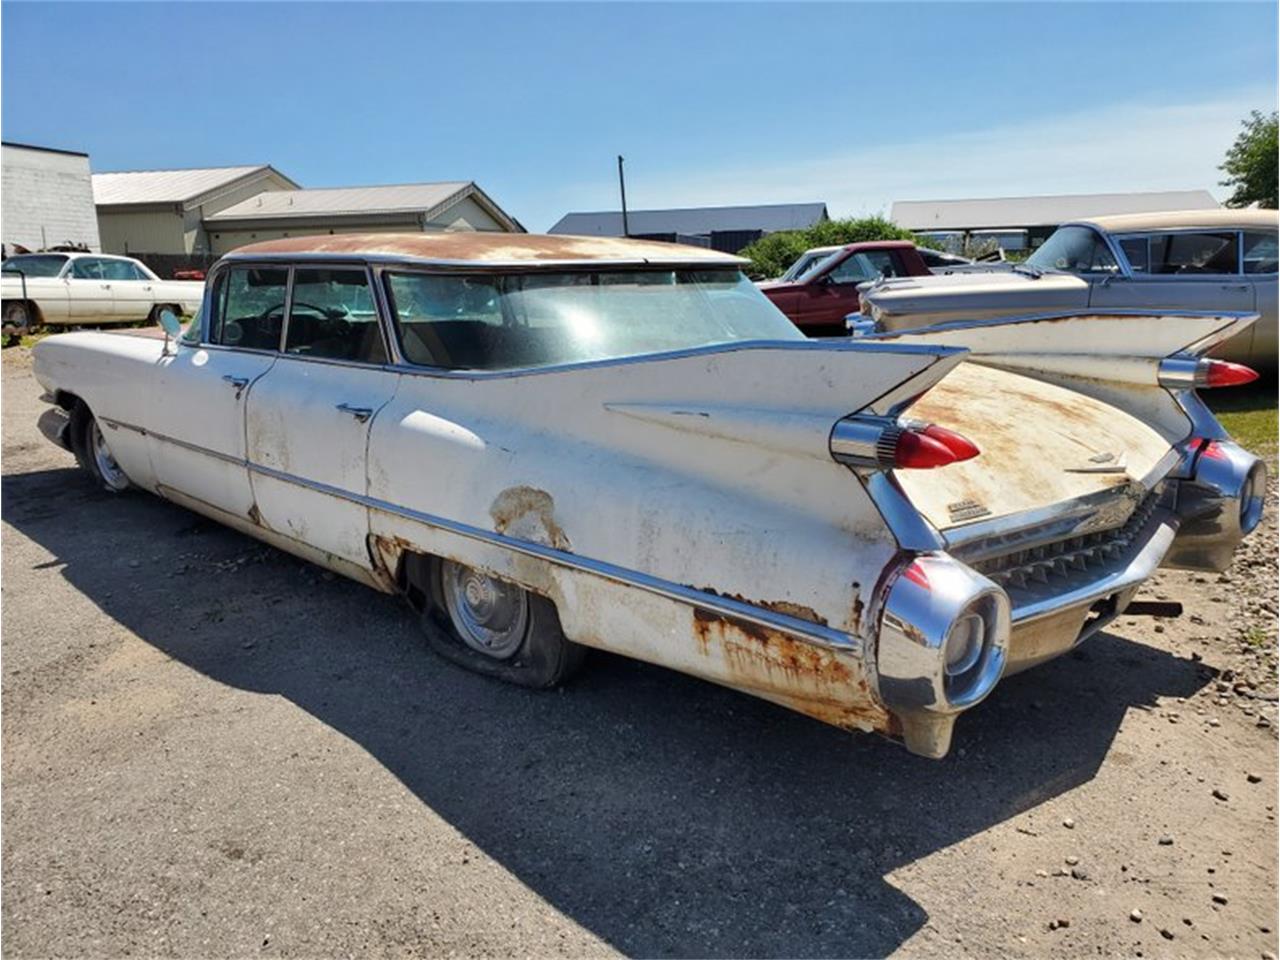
[(93, 454), (492, 626), (15, 322)]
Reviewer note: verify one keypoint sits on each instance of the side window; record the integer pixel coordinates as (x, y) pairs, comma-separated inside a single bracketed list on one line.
[(118, 270), (137, 273), (248, 305), (861, 267), (332, 315), (446, 321), (1260, 251), (1135, 251), (87, 268), (1195, 253)]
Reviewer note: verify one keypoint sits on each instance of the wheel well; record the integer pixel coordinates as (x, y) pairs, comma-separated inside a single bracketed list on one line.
[(66, 399), (34, 316)]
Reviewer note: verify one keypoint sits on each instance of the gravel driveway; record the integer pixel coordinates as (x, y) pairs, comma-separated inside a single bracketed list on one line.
[(212, 749)]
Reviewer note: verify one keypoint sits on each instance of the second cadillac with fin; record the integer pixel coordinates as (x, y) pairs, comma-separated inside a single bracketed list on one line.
[(554, 443)]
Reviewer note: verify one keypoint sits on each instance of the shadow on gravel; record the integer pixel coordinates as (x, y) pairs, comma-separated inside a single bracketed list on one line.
[(666, 815)]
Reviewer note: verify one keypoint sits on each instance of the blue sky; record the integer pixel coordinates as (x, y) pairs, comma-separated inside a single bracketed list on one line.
[(856, 104)]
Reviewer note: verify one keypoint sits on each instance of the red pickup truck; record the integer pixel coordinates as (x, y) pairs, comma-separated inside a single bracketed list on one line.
[(818, 301)]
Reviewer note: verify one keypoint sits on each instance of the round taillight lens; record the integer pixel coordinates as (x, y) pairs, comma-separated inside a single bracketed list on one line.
[(964, 643)]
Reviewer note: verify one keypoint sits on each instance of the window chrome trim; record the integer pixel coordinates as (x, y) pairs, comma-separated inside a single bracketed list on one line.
[(815, 633)]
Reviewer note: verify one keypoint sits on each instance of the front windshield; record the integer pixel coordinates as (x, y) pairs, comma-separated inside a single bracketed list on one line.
[(37, 265), (805, 263), (1075, 250), (488, 322)]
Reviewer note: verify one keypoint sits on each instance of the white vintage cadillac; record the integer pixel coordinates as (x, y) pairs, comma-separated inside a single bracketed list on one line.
[(553, 443), (63, 289)]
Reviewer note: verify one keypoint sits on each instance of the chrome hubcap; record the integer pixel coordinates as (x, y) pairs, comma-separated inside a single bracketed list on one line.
[(490, 615), (105, 462)]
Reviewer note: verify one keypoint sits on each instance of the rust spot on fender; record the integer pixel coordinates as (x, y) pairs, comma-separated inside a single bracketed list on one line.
[(781, 668), (784, 607), (255, 516), (527, 513)]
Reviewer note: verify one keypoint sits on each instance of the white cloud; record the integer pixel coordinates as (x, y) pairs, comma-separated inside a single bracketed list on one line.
[(1117, 148)]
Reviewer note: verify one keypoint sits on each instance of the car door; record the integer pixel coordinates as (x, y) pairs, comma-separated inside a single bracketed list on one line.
[(132, 290), (1180, 270), (89, 293), (833, 294), (308, 419), (197, 432)]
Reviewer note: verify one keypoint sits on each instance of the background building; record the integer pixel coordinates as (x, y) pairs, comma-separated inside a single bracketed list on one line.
[(727, 229), (47, 199), (413, 207), (163, 211), (1019, 223)]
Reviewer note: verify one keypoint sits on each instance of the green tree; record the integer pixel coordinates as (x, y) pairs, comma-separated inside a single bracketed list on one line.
[(1251, 165), (772, 254)]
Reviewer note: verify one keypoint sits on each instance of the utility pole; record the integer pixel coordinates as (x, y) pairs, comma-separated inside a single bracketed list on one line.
[(622, 188)]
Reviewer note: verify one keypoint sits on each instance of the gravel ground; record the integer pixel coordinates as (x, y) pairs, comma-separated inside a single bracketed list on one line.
[(212, 749)]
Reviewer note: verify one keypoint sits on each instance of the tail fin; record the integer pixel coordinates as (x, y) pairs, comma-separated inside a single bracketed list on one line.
[(1114, 356)]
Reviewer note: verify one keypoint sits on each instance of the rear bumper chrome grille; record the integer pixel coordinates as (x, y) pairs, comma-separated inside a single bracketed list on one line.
[(1046, 574), (1060, 562)]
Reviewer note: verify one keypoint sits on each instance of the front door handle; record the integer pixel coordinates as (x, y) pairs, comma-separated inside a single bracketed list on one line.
[(238, 382), (360, 413), (1235, 286)]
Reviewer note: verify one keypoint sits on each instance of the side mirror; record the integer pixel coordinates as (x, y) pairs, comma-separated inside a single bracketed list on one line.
[(171, 325)]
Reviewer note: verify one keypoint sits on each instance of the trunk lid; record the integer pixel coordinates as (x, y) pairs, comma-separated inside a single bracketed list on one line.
[(1041, 445)]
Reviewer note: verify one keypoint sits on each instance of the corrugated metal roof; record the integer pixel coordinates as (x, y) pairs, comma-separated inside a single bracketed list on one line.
[(166, 186), (694, 221), (996, 212), (336, 201)]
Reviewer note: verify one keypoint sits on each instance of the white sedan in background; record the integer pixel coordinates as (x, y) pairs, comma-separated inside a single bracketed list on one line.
[(63, 289)]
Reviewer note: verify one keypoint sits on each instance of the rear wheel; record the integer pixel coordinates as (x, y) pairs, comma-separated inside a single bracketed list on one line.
[(491, 625), (93, 454)]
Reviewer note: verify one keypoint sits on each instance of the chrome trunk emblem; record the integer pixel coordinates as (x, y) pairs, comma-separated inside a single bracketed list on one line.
[(1103, 462)]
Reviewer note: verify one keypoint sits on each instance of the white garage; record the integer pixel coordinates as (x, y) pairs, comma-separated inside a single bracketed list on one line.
[(413, 208)]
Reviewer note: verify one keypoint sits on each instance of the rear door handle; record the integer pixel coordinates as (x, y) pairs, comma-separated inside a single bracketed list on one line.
[(1235, 286), (360, 413), (238, 382)]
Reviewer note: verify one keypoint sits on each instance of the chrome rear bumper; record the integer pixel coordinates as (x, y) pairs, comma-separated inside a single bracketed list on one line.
[(1060, 590)]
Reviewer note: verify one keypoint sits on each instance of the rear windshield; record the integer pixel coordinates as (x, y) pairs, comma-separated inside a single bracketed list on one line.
[(502, 322), (36, 266)]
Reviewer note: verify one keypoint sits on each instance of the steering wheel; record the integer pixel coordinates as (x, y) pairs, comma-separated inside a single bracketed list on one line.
[(320, 311)]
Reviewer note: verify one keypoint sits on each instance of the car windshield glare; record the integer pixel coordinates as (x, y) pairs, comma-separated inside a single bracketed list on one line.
[(519, 321), (1074, 249), (35, 266)]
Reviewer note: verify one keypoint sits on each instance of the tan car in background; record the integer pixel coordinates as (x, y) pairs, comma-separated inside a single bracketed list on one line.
[(1211, 260)]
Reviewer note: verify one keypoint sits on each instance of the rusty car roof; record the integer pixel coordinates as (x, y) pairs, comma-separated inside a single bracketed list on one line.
[(489, 249)]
